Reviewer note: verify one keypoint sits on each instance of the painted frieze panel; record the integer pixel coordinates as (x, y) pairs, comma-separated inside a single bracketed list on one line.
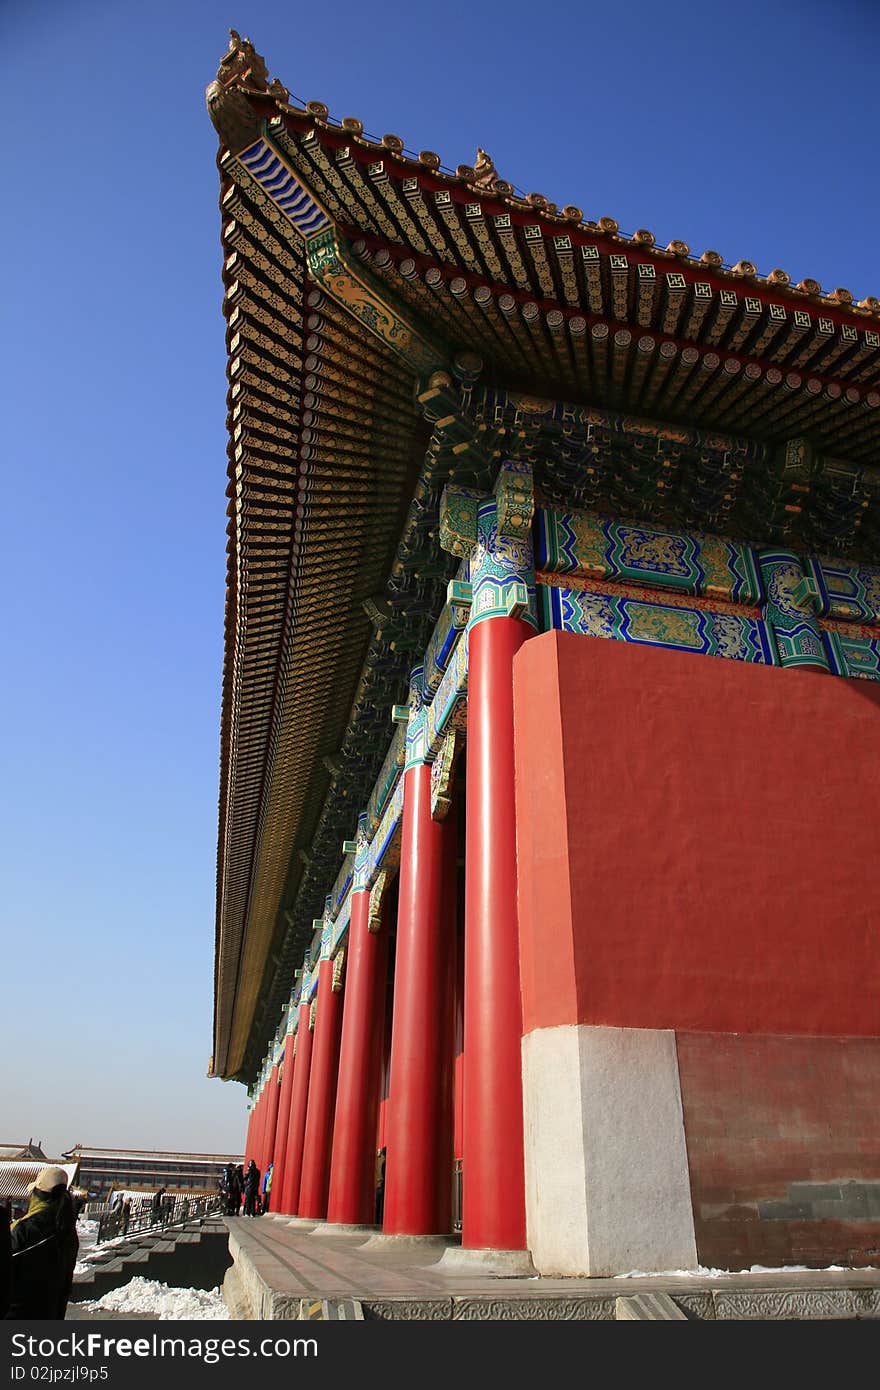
[(849, 593), (448, 709), (342, 884), (450, 625), (858, 657), (390, 771), (340, 925), (598, 548), (326, 932), (384, 852), (788, 611), (628, 617)]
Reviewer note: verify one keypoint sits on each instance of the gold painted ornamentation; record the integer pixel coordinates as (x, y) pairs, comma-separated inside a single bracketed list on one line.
[(590, 544), (714, 556), (783, 586), (459, 509), (871, 580), (329, 265), (597, 619), (374, 917), (652, 550), (730, 638), (442, 773), (338, 971), (515, 502), (650, 624)]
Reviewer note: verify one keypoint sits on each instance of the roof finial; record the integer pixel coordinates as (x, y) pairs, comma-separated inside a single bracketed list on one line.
[(241, 70), (485, 173), (242, 62)]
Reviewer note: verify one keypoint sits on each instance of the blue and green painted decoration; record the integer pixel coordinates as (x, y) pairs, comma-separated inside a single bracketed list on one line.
[(593, 613), (770, 607), (578, 543)]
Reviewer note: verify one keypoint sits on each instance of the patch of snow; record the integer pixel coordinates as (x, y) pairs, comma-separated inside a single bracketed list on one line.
[(702, 1273), (141, 1295), (87, 1231)]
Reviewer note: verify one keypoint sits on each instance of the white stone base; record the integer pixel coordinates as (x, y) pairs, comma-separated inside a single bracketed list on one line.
[(509, 1264), (386, 1241), (346, 1228), (607, 1187)]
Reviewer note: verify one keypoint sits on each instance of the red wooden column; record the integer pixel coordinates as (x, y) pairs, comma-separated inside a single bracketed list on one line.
[(271, 1118), (282, 1128), (497, 535), (264, 1116), (493, 1205), (302, 1064), (352, 1170), (418, 1173), (322, 1097)]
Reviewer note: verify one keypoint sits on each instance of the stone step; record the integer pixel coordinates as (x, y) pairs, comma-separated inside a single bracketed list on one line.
[(642, 1306), (108, 1266)]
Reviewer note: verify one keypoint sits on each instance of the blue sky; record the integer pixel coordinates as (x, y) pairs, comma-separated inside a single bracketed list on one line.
[(748, 129)]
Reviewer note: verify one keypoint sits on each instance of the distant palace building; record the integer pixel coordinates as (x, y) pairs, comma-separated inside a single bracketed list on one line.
[(102, 1170), (28, 1151), (549, 795), (20, 1165)]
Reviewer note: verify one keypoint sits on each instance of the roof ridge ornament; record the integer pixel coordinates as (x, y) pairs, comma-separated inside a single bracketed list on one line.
[(242, 63), (241, 70), (485, 174)]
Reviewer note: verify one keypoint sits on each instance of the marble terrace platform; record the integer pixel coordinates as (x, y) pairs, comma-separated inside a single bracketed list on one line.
[(285, 1269)]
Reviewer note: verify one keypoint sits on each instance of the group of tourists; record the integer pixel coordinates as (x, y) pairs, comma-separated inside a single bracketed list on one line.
[(238, 1184), (38, 1251)]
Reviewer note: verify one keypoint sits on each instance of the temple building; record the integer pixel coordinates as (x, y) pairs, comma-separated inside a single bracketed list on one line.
[(549, 807), (102, 1171)]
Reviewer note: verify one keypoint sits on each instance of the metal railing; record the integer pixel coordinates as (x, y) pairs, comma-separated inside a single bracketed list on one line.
[(149, 1216)]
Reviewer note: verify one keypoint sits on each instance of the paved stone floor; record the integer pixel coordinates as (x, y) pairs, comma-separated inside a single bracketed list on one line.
[(279, 1263)]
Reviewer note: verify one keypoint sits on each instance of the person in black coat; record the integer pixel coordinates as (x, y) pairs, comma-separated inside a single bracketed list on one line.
[(44, 1250), (251, 1189), (5, 1257), (232, 1189)]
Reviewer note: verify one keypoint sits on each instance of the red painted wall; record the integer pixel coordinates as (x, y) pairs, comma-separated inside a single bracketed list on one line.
[(783, 1143), (698, 842)]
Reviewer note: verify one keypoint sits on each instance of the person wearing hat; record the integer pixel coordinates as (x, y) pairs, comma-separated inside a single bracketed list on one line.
[(5, 1257), (44, 1250)]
